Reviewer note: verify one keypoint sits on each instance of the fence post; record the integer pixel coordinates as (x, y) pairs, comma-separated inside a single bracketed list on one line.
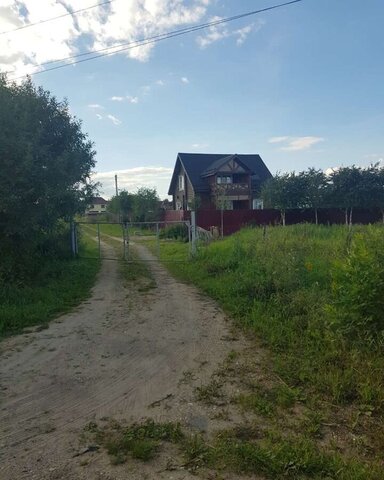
[(73, 238), (98, 238), (125, 240), (193, 228), (157, 240)]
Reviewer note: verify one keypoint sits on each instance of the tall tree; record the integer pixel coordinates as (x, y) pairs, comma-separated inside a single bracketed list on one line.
[(348, 190), (46, 163), (145, 205), (283, 191), (122, 205), (314, 185)]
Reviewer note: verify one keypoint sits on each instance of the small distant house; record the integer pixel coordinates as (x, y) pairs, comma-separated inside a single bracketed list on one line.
[(218, 181), (98, 206)]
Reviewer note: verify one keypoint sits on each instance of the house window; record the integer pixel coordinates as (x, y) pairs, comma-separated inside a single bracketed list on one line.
[(220, 179), (102, 206), (181, 182), (92, 206), (257, 204)]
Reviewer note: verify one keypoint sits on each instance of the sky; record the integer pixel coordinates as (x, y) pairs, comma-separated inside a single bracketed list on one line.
[(302, 85)]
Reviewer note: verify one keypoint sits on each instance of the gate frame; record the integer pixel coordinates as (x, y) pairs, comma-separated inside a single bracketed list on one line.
[(191, 225)]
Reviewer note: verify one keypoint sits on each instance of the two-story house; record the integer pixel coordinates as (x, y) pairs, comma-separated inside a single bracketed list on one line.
[(215, 181), (98, 206)]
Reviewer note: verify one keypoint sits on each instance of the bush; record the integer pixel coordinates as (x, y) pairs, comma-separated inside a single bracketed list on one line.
[(178, 231), (358, 289)]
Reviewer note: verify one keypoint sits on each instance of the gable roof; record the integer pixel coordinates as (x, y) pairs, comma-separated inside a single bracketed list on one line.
[(98, 201), (200, 165)]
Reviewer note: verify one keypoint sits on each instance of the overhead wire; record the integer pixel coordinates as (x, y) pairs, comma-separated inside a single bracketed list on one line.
[(28, 25), (148, 40)]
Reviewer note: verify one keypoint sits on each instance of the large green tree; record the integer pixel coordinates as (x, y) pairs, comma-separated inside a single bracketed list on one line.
[(314, 185), (283, 191), (122, 205), (145, 205), (46, 161)]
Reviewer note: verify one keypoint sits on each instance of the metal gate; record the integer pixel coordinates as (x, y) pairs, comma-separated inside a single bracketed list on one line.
[(166, 241)]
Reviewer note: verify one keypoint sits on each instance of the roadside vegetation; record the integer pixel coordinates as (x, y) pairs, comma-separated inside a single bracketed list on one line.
[(54, 286), (44, 182), (312, 298)]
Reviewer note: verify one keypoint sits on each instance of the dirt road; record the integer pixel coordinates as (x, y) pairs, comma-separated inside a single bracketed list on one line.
[(114, 356)]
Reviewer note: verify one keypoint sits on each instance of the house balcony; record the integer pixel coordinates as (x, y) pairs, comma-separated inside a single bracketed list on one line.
[(235, 189)]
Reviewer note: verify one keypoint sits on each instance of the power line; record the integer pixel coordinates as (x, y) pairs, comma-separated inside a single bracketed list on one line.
[(136, 43), (56, 18), (149, 40)]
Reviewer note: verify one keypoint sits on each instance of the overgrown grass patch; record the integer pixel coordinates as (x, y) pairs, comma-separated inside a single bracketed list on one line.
[(141, 441), (313, 296), (60, 284), (282, 286), (245, 449)]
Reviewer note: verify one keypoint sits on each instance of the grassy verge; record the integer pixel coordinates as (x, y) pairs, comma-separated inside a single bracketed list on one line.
[(60, 285), (240, 450), (314, 297), (292, 288)]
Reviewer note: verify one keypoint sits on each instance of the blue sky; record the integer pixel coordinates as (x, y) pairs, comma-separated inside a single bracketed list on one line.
[(302, 85)]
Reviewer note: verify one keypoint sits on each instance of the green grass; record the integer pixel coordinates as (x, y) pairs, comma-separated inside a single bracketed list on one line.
[(277, 457), (60, 285), (116, 229), (139, 440), (241, 450), (283, 288), (314, 297)]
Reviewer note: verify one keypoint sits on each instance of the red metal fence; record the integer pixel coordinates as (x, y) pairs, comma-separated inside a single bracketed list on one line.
[(234, 220)]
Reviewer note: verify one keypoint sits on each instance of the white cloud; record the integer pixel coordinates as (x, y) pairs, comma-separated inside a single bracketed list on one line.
[(95, 106), (242, 34), (132, 178), (375, 156), (221, 31), (114, 119), (132, 99), (302, 143), (296, 144), (117, 99), (101, 27), (199, 146), (184, 80), (277, 139), (161, 83), (330, 170), (99, 117)]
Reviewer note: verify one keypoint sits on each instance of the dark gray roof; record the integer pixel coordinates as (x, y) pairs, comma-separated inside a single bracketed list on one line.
[(200, 165), (98, 200)]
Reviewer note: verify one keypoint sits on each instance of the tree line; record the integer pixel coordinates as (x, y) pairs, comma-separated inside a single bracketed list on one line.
[(347, 188), (140, 206)]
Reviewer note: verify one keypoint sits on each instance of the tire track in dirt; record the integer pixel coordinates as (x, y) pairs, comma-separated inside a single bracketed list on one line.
[(113, 356)]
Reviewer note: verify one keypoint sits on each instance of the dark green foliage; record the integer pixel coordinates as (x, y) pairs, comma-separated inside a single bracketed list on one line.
[(178, 231), (46, 161), (140, 206), (139, 440), (358, 288), (58, 284), (295, 287), (346, 187), (122, 206)]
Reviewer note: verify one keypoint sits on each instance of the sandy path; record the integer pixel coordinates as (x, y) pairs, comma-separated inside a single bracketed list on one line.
[(113, 356)]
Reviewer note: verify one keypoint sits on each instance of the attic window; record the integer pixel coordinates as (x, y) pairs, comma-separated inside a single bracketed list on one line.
[(223, 179), (181, 182)]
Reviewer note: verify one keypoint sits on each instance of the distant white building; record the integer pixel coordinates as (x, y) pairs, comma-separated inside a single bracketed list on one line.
[(98, 206)]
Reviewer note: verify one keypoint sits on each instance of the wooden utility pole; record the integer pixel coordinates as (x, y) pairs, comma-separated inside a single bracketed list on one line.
[(117, 191), (117, 198)]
